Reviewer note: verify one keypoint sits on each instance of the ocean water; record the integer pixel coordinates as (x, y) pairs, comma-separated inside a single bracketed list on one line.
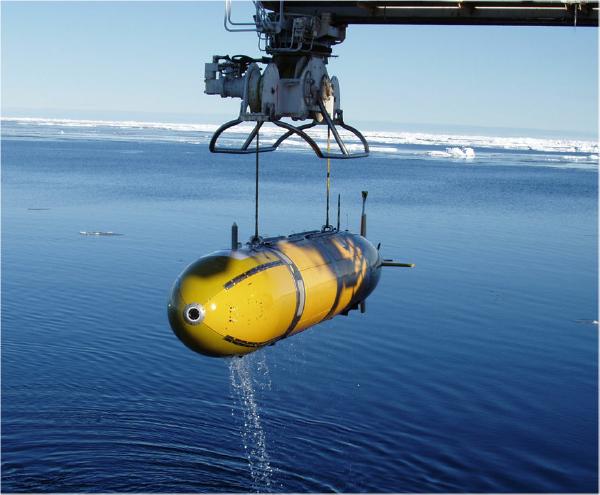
[(476, 371)]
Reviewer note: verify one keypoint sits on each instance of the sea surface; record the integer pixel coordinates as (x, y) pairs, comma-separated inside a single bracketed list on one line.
[(476, 371)]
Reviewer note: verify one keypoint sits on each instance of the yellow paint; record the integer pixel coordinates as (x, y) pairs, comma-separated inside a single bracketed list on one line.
[(256, 309), (336, 270)]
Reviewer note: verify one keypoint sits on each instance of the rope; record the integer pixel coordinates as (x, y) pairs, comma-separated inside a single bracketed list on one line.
[(256, 192), (328, 176)]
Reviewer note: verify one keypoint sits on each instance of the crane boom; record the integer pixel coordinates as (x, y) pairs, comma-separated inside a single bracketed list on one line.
[(467, 12), (298, 37)]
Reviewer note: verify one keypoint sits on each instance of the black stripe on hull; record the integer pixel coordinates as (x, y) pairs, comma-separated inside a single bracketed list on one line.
[(246, 343), (252, 271)]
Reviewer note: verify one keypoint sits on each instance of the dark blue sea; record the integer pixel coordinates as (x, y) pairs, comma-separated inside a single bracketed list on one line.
[(476, 371)]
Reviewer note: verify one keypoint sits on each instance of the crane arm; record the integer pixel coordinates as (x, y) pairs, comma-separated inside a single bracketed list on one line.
[(298, 36), (467, 12)]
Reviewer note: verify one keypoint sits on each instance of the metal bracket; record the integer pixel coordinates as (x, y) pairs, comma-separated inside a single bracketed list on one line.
[(294, 130)]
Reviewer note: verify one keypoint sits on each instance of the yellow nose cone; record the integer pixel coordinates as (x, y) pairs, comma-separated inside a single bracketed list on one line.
[(191, 303), (231, 303)]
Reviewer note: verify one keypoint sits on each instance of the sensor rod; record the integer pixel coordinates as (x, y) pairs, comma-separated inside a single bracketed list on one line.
[(256, 190), (338, 215)]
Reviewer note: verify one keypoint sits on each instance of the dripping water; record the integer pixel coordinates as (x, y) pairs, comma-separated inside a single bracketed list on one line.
[(247, 374)]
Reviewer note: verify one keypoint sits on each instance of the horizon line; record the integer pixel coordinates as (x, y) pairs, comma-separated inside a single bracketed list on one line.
[(449, 132)]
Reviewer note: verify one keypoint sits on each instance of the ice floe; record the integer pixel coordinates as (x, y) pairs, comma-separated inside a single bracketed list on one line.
[(477, 149)]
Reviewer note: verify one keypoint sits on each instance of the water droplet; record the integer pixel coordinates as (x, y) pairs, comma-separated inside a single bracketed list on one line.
[(242, 377)]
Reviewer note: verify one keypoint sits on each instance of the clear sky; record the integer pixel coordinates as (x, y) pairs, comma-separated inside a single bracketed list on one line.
[(145, 60)]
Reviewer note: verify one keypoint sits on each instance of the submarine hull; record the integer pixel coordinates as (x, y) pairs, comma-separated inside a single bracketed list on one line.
[(234, 302)]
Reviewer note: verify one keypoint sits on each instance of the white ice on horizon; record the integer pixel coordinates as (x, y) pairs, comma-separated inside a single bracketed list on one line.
[(461, 153), (457, 145)]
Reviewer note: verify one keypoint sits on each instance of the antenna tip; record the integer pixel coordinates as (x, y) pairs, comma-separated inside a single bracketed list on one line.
[(364, 194)]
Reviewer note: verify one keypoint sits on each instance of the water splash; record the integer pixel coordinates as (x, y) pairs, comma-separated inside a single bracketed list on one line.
[(245, 374)]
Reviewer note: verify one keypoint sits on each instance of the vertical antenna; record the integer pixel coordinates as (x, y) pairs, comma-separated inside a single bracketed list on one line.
[(338, 217), (364, 200), (363, 217), (234, 236), (256, 192), (328, 176)]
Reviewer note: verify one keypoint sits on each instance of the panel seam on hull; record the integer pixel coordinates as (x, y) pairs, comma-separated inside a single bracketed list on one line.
[(249, 273), (246, 343), (300, 290)]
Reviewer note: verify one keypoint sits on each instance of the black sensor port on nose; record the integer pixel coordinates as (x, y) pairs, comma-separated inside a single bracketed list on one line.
[(193, 313)]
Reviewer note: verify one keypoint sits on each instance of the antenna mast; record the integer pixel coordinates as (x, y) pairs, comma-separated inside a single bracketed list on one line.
[(328, 179)]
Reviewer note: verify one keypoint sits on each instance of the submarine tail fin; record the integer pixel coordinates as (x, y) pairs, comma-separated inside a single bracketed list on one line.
[(397, 264)]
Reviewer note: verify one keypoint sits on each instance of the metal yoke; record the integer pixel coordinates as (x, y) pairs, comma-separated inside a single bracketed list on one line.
[(306, 92), (299, 35)]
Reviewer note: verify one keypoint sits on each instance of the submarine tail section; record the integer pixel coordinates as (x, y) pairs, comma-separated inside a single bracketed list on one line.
[(338, 271)]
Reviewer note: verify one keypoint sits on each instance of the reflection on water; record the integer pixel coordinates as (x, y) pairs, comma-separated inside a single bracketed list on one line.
[(245, 374)]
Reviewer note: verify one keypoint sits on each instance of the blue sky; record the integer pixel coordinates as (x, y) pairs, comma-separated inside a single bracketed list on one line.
[(145, 60)]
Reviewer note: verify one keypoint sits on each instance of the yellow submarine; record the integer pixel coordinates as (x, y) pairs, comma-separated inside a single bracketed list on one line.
[(233, 302)]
